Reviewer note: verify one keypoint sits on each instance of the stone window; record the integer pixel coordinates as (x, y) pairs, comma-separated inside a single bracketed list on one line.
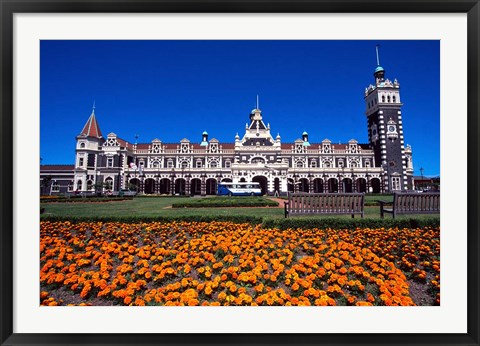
[(82, 145), (227, 164), (80, 162), (70, 186), (199, 164), (55, 187), (79, 185), (184, 164), (110, 162), (170, 164), (395, 183)]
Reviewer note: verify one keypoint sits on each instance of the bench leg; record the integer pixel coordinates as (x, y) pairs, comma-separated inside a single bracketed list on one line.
[(381, 212)]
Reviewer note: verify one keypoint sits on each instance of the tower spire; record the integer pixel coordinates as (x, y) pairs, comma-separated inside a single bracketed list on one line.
[(378, 59), (93, 108), (257, 102)]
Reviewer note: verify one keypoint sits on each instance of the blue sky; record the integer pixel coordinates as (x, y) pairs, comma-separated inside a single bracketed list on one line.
[(172, 90)]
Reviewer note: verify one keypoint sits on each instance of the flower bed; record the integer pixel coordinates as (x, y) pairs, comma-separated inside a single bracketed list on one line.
[(223, 263)]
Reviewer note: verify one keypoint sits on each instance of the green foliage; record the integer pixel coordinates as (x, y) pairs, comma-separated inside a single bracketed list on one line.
[(348, 223), (80, 199), (220, 202), (139, 219)]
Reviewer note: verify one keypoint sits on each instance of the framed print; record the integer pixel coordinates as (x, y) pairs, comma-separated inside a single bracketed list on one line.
[(159, 218)]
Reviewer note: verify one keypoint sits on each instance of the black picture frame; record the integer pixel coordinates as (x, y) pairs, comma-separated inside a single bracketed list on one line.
[(10, 7)]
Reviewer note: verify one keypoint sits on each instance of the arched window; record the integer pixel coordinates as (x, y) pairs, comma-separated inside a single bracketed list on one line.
[(313, 163), (299, 164), (213, 164), (170, 164), (227, 164), (326, 164), (79, 185), (184, 164), (388, 98), (82, 145), (394, 99), (199, 164), (353, 164), (383, 98), (70, 186)]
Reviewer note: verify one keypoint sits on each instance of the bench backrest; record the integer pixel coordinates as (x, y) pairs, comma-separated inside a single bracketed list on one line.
[(303, 202), (416, 202)]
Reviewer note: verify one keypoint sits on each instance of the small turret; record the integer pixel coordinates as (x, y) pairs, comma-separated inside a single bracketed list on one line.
[(204, 139)]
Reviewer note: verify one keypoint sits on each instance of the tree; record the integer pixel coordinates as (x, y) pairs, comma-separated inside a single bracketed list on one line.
[(46, 181)]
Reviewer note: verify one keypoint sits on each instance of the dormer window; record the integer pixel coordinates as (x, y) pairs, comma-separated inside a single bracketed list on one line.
[(82, 145)]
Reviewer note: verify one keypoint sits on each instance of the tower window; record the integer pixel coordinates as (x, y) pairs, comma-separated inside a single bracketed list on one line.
[(199, 164), (80, 162), (388, 98), (110, 162), (82, 145), (394, 99), (383, 98)]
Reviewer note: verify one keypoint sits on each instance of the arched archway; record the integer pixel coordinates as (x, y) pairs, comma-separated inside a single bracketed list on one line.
[(303, 185), (375, 185), (150, 186), (332, 185), (195, 186), (347, 185), (318, 185), (89, 185), (242, 180), (134, 184), (164, 186), (263, 183), (361, 185), (276, 186), (290, 185), (226, 180), (108, 184), (180, 186), (211, 185)]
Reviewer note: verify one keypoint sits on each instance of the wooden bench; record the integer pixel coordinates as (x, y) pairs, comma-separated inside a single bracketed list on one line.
[(324, 203), (411, 203)]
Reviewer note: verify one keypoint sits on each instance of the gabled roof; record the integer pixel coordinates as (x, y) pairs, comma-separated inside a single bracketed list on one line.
[(91, 128)]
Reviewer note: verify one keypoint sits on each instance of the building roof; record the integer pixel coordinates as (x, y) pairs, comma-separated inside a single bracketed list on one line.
[(91, 128), (56, 168)]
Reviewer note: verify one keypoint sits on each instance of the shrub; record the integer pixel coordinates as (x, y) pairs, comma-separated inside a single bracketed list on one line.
[(219, 202), (344, 223)]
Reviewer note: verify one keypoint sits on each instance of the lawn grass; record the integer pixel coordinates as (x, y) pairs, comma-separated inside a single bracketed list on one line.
[(161, 207)]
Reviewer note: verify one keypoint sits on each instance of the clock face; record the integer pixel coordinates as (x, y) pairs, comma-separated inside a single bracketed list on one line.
[(391, 128)]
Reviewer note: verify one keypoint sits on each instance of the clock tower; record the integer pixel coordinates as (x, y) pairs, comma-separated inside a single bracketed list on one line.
[(385, 131)]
